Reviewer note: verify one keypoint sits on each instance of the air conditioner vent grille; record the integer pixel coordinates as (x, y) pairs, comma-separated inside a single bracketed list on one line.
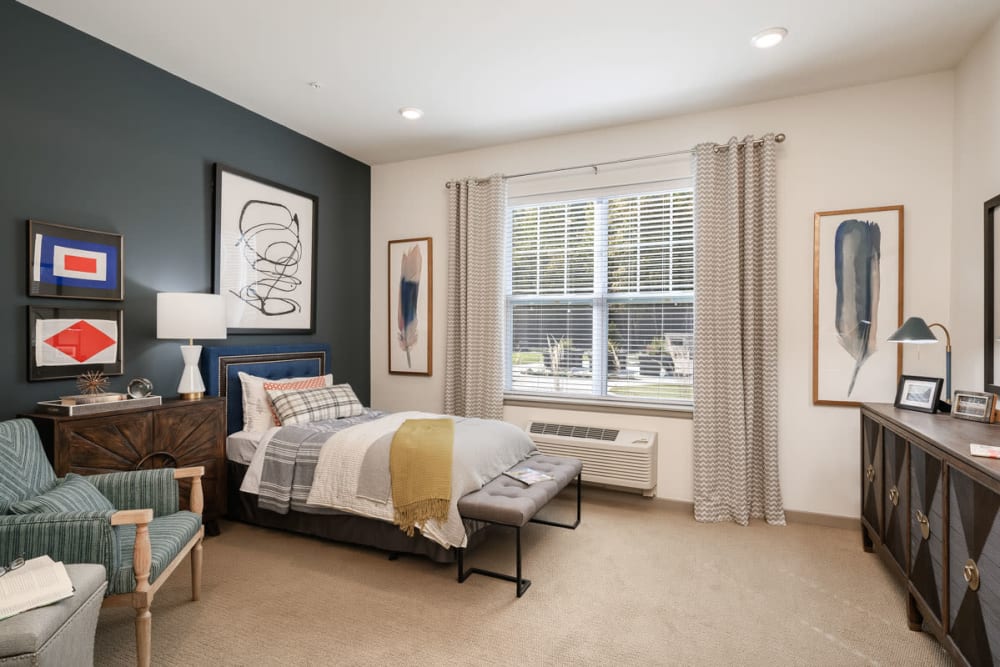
[(570, 431)]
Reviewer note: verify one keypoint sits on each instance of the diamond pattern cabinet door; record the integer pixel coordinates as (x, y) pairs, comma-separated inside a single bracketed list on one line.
[(871, 482), (974, 569), (107, 443), (926, 529), (896, 497), (190, 435)]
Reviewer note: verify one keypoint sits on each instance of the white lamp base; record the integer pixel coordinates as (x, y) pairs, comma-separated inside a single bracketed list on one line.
[(191, 386)]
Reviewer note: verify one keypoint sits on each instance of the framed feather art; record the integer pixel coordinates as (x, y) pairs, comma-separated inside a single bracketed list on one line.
[(410, 306), (857, 305)]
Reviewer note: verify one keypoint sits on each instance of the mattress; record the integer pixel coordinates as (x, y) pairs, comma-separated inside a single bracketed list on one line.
[(241, 445)]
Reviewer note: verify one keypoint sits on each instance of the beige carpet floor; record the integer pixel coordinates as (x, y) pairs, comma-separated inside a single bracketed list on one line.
[(638, 583)]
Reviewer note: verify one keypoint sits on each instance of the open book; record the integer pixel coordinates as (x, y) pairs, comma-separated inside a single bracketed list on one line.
[(40, 581), (528, 475)]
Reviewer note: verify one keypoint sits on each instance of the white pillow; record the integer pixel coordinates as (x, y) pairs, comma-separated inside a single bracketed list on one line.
[(257, 416)]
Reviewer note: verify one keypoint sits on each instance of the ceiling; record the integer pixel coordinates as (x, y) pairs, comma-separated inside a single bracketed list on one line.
[(488, 72)]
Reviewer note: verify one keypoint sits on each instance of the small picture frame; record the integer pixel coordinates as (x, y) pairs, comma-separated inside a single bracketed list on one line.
[(918, 393), (74, 263), (66, 342), (973, 405)]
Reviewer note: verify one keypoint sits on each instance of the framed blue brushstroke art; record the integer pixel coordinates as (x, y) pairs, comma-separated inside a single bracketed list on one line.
[(857, 305), (410, 307)]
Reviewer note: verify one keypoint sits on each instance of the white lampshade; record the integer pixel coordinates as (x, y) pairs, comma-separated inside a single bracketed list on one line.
[(188, 316)]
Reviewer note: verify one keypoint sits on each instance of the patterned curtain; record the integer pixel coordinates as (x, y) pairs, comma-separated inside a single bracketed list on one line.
[(736, 333), (473, 383)]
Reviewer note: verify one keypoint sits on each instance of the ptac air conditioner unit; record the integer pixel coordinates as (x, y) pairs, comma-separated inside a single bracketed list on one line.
[(615, 457)]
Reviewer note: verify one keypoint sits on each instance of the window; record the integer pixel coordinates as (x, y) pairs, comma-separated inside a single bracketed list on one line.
[(600, 297)]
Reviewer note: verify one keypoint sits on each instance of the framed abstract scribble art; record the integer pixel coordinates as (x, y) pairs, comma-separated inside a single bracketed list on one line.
[(410, 306), (265, 262), (74, 263), (857, 305)]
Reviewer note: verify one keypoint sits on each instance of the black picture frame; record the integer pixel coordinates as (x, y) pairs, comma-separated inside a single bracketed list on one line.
[(75, 263), (85, 342), (991, 217), (265, 254), (918, 393)]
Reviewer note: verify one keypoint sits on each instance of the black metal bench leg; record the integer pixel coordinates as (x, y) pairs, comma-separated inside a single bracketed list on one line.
[(522, 583), (571, 526)]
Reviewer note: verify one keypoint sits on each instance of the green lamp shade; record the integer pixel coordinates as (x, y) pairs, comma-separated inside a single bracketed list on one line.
[(914, 330)]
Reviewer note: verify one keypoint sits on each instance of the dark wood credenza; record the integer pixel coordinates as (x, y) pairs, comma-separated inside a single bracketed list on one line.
[(932, 512), (175, 434)]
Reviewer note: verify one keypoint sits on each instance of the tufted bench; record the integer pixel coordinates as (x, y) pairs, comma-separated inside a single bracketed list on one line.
[(505, 501)]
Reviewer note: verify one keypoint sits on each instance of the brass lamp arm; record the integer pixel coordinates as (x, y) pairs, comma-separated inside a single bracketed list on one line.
[(947, 336)]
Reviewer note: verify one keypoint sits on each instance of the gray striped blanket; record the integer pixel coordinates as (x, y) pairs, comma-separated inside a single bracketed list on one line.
[(290, 461)]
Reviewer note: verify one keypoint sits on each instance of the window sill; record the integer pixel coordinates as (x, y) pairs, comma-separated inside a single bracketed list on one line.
[(671, 410)]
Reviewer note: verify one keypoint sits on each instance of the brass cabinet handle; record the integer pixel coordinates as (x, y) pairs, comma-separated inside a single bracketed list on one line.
[(925, 524), (971, 574), (870, 473), (894, 496)]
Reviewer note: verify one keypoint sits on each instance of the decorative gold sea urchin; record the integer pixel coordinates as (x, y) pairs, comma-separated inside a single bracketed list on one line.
[(92, 382)]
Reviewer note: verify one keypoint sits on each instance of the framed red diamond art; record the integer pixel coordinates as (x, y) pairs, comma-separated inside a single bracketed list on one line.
[(66, 342)]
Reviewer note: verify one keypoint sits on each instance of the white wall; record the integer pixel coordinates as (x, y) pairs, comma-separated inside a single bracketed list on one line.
[(977, 178), (882, 144)]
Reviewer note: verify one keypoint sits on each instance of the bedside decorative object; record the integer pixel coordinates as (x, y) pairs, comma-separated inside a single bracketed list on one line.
[(857, 299), (66, 409), (74, 263), (265, 262), (92, 382), (974, 405), (68, 342), (190, 315), (139, 388), (918, 393), (89, 399)]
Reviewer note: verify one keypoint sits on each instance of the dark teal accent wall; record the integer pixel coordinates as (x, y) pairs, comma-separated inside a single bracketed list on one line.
[(93, 137)]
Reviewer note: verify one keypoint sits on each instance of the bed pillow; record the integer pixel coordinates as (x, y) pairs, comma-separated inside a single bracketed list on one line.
[(309, 405), (73, 494), (308, 383), (257, 416)]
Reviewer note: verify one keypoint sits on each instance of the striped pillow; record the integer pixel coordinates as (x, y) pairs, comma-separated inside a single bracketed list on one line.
[(73, 494), (294, 384), (309, 405)]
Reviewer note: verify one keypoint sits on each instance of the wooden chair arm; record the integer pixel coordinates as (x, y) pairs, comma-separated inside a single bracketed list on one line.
[(137, 517), (194, 471), (196, 501)]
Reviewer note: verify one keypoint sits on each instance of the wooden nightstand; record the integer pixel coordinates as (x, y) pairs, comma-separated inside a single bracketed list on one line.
[(175, 434)]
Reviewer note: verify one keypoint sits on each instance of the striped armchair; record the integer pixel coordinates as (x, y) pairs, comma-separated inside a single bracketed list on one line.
[(133, 526)]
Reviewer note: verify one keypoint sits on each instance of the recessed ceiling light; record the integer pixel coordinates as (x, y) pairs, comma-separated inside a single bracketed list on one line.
[(765, 39), (411, 113)]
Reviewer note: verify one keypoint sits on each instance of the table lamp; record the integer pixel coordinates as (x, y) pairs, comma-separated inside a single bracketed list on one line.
[(916, 330), (190, 315)]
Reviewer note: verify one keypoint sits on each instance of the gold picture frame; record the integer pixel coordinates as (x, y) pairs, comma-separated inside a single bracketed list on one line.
[(857, 304), (411, 307)]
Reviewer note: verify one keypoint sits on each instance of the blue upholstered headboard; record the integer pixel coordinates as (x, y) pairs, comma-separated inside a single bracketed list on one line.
[(220, 365)]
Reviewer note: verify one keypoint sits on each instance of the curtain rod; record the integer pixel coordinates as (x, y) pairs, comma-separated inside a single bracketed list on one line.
[(778, 138)]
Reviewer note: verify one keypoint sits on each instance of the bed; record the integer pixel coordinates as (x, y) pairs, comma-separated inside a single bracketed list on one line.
[(222, 368)]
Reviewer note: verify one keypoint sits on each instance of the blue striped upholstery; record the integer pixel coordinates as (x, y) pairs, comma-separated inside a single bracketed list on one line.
[(140, 489), (72, 494), (72, 537), (24, 470), (166, 537)]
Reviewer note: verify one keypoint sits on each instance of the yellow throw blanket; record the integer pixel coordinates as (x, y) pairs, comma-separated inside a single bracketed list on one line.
[(420, 469)]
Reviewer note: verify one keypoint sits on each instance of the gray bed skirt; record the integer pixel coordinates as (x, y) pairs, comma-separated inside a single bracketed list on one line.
[(339, 526)]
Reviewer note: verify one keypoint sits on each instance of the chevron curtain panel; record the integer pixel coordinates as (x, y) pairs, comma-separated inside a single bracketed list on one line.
[(736, 333), (473, 385)]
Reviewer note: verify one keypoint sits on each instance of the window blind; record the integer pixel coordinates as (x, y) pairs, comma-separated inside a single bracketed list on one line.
[(600, 296)]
